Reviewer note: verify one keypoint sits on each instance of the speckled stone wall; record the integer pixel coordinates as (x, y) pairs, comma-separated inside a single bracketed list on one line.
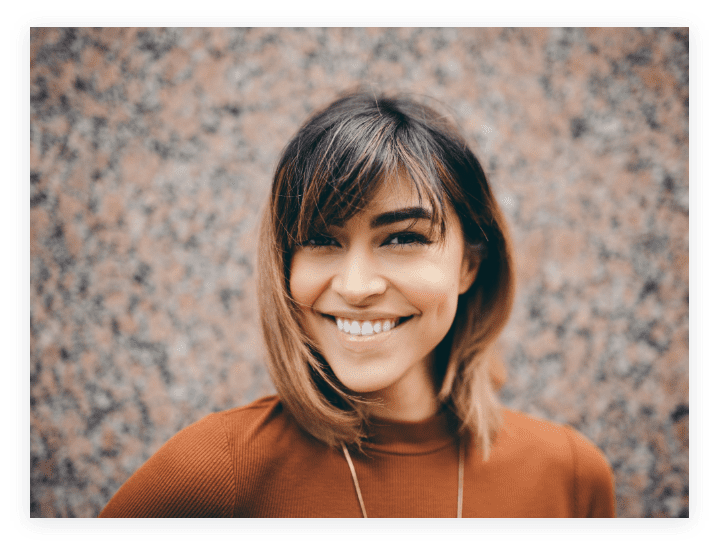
[(152, 152)]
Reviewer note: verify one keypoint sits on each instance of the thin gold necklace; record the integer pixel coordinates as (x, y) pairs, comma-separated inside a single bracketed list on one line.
[(460, 485)]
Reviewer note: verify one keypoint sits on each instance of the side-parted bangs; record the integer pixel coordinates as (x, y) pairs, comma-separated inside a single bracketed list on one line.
[(340, 158), (330, 170)]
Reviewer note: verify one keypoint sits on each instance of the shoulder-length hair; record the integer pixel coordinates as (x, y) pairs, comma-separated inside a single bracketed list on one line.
[(328, 172)]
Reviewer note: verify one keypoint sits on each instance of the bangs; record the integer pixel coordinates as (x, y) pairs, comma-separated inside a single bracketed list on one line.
[(351, 163)]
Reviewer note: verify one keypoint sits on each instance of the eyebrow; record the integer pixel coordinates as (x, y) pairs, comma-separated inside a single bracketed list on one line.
[(394, 216)]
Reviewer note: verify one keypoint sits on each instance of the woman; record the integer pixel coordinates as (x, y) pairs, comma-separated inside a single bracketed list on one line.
[(385, 275)]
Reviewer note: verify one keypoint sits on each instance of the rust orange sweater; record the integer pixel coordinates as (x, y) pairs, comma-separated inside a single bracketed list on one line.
[(254, 461)]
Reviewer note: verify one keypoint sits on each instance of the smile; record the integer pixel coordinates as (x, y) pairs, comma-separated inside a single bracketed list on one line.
[(361, 327), (366, 328)]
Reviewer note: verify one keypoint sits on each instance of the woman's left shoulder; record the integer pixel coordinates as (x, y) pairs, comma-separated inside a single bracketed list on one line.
[(548, 439), (561, 449)]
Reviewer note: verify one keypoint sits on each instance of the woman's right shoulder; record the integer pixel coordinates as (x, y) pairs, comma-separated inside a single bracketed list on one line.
[(198, 471), (225, 430), (260, 408), (263, 421)]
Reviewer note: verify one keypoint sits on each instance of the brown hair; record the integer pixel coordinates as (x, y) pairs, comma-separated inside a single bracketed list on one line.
[(328, 172)]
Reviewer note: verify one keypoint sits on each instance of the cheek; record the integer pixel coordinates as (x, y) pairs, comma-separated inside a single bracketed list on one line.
[(434, 276), (306, 281), (433, 283)]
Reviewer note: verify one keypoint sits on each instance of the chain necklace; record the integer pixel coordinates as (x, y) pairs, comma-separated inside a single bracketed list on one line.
[(460, 485)]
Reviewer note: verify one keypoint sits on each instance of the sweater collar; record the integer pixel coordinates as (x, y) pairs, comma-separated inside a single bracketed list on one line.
[(409, 437)]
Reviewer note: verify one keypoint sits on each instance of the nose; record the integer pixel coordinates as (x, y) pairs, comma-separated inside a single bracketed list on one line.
[(358, 279)]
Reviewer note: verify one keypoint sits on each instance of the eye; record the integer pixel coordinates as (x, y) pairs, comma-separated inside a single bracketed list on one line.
[(319, 241), (405, 239)]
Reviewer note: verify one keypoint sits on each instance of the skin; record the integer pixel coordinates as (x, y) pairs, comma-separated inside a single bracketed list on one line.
[(368, 273)]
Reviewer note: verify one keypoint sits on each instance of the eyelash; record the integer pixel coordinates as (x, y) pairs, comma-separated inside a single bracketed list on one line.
[(410, 237)]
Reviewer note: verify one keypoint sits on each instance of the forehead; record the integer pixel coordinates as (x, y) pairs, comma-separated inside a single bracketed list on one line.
[(399, 200), (393, 200), (396, 193)]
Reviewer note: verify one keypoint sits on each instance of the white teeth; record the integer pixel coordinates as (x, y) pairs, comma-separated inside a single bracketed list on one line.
[(359, 327)]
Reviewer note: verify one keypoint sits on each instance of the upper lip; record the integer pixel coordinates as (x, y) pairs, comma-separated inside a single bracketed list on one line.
[(363, 316)]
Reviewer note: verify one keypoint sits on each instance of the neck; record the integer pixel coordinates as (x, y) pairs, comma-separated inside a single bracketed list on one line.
[(412, 398)]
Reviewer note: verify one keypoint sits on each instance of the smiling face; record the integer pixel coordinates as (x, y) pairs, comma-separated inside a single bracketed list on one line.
[(379, 294)]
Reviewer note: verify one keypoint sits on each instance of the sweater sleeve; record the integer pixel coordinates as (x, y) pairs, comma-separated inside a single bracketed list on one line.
[(593, 479), (190, 476)]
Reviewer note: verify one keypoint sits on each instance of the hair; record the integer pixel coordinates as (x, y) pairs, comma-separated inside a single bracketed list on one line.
[(329, 171)]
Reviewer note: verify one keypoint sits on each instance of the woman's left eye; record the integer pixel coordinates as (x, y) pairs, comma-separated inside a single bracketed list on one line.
[(403, 239)]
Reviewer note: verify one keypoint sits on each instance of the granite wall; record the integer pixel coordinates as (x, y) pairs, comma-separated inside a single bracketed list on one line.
[(151, 154)]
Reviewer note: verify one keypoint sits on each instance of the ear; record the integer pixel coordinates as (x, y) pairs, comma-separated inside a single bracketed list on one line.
[(470, 266)]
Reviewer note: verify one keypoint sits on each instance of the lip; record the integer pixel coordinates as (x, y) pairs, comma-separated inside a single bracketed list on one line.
[(369, 315), (360, 343)]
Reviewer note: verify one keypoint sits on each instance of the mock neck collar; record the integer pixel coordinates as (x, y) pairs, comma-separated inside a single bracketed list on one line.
[(410, 437)]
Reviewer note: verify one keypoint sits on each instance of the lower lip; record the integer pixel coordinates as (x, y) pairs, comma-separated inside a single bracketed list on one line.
[(361, 343)]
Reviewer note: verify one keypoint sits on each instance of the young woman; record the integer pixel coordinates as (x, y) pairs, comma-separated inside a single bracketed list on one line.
[(385, 275)]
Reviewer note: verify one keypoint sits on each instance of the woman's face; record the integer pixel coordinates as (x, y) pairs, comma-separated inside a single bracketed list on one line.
[(391, 289)]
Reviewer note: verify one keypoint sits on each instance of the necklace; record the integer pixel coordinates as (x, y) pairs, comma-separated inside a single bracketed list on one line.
[(460, 474)]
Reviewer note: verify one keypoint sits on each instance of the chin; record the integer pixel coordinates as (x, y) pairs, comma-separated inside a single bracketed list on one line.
[(376, 377), (364, 380)]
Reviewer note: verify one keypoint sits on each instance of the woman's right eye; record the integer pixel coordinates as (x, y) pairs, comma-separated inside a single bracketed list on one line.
[(319, 241)]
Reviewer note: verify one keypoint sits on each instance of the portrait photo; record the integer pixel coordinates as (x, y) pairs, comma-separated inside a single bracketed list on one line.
[(359, 271)]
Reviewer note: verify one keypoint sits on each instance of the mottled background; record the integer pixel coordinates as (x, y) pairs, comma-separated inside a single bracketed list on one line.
[(151, 154)]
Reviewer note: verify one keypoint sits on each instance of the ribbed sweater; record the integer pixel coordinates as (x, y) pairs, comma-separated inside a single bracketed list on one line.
[(255, 461)]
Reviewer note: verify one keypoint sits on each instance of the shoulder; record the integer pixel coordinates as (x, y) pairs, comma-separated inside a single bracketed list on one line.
[(257, 427), (526, 429), (253, 414), (194, 473), (529, 444), (545, 446), (523, 430), (231, 433), (216, 434)]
